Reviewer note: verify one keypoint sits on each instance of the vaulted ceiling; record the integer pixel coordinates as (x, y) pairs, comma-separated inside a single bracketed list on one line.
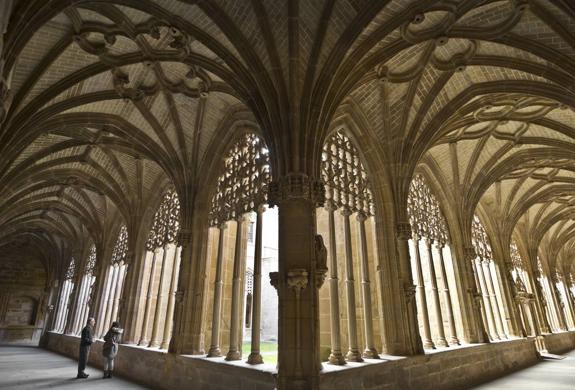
[(104, 101)]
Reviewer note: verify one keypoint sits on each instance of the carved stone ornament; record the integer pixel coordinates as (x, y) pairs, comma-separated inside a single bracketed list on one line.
[(297, 279), (296, 186), (469, 254), (179, 296), (321, 261), (274, 279), (409, 291), (403, 231)]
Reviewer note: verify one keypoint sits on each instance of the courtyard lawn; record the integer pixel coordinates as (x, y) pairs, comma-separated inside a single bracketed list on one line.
[(269, 351)]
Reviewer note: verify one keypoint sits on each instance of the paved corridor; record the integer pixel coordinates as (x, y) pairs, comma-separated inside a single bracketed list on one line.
[(34, 368), (547, 375)]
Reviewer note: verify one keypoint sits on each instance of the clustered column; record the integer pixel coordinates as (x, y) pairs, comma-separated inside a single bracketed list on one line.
[(234, 352)]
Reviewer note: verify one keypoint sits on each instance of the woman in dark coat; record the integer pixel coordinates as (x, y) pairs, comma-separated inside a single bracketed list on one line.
[(110, 348)]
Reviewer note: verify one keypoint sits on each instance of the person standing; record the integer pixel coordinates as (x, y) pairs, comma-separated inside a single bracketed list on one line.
[(110, 348), (86, 341)]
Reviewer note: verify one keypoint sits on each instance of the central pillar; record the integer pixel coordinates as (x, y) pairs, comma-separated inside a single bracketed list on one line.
[(299, 365)]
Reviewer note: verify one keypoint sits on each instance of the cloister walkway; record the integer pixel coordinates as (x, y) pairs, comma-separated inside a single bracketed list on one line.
[(35, 368), (548, 375)]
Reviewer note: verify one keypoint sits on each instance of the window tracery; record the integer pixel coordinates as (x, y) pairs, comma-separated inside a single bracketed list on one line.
[(121, 247), (91, 262), (71, 270), (425, 215), (480, 239), (166, 223), (516, 259), (344, 176), (242, 187)]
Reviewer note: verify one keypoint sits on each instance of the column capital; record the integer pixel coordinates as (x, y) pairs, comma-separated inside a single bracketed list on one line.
[(361, 216), (296, 186), (330, 205), (274, 279), (346, 211), (297, 279), (223, 226), (403, 231)]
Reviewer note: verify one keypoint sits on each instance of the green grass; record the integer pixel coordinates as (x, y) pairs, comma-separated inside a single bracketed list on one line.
[(269, 351)]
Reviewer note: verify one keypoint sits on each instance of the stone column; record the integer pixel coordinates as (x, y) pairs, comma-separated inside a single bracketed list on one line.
[(56, 311), (558, 304), (118, 292), (177, 340), (72, 305), (494, 304), (104, 297), (298, 356), (234, 353), (370, 350), (540, 303), (110, 303), (335, 357), (486, 301), (155, 342), (144, 341), (441, 341), (403, 233), (171, 300), (65, 306), (480, 316), (60, 306), (453, 340), (353, 354), (427, 341), (218, 286), (79, 310), (569, 300), (255, 356)]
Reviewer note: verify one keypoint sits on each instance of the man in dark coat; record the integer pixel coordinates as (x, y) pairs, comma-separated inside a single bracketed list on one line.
[(86, 341)]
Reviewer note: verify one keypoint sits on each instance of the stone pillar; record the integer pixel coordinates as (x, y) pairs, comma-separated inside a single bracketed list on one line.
[(79, 310), (155, 342), (104, 296), (540, 303), (144, 341), (171, 300), (453, 340), (177, 339), (335, 357), (353, 354), (569, 300), (557, 302), (403, 233), (73, 304), (215, 350), (427, 341), (486, 301), (298, 357), (255, 356), (118, 292), (234, 353), (370, 350), (441, 341), (480, 316), (111, 293), (494, 304)]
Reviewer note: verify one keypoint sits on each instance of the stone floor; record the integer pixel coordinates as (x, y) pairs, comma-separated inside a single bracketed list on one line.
[(34, 368), (548, 375)]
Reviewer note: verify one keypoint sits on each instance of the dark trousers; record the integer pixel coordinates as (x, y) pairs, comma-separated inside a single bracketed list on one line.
[(83, 360)]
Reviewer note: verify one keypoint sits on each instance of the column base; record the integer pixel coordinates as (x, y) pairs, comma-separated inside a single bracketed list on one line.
[(255, 358), (370, 353), (454, 341), (233, 355), (442, 343), (144, 343), (353, 356), (214, 352), (154, 344), (428, 344), (336, 358), (164, 345)]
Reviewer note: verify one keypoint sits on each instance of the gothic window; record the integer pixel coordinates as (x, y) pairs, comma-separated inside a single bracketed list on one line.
[(345, 178), (166, 223), (424, 212), (71, 270), (242, 187), (121, 247), (480, 239)]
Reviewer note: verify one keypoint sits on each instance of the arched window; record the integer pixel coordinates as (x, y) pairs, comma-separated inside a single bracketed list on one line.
[(161, 274), (114, 283), (432, 266), (237, 207), (347, 191), (487, 282), (64, 302), (86, 291)]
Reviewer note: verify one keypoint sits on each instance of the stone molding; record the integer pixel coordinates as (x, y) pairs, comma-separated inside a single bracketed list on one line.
[(296, 186)]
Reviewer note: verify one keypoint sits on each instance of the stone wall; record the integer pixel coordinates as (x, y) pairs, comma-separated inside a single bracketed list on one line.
[(22, 297), (559, 343), (450, 369), (161, 370)]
